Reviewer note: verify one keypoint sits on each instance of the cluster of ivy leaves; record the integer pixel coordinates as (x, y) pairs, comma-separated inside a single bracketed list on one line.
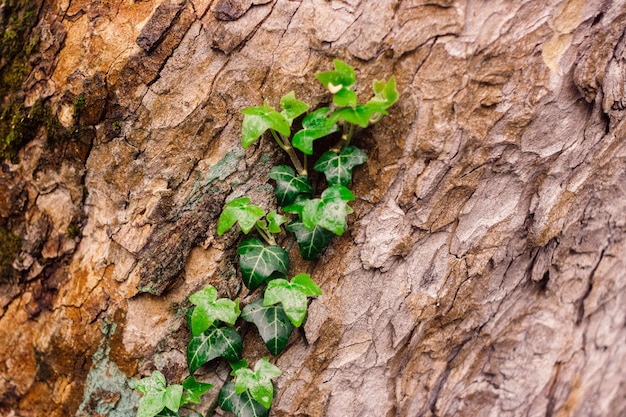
[(313, 220)]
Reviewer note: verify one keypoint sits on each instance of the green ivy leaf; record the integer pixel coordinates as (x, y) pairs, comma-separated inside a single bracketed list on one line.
[(329, 211), (242, 363), (258, 262), (292, 295), (213, 343), (292, 107), (258, 382), (239, 211), (157, 395), (194, 390), (209, 309), (155, 382), (258, 119), (272, 322), (358, 115), (307, 209), (274, 221), (311, 242), (385, 95), (288, 186), (334, 209), (243, 405), (338, 82), (166, 412), (314, 126), (172, 397), (337, 167)]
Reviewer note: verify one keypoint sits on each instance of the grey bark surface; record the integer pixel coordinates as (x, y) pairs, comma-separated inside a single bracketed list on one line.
[(483, 271)]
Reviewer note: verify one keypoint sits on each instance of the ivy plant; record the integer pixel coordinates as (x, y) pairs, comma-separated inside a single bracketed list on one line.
[(314, 215), (159, 399), (292, 295)]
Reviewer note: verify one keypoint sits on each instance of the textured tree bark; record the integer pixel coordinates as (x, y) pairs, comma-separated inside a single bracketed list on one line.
[(483, 273)]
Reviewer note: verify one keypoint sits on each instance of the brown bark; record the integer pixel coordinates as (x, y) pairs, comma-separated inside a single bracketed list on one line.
[(483, 271)]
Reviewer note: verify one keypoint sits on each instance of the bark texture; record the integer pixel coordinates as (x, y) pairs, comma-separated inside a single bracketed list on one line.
[(483, 274)]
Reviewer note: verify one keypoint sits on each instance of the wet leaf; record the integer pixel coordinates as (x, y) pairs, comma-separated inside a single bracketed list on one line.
[(272, 323), (257, 382), (157, 396), (329, 211), (292, 295), (210, 309)]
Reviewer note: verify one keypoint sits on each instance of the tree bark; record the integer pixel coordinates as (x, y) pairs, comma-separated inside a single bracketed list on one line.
[(483, 270)]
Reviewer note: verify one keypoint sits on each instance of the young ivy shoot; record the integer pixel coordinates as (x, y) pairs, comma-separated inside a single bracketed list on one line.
[(263, 263)]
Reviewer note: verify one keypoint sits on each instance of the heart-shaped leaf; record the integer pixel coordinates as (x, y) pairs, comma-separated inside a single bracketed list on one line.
[(258, 262), (337, 167), (338, 82), (258, 382), (157, 396), (292, 295), (239, 211), (292, 107), (243, 405), (311, 242), (194, 390), (288, 185), (258, 119), (209, 309), (314, 126), (213, 343), (272, 322)]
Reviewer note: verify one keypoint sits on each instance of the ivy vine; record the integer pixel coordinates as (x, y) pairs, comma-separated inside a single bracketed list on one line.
[(262, 261)]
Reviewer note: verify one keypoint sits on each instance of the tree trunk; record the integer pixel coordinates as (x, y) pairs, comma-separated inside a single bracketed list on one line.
[(483, 270)]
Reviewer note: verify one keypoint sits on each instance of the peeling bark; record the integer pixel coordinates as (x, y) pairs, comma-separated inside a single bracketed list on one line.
[(483, 271)]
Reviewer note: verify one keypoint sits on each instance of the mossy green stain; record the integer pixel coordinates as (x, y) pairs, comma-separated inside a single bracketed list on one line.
[(19, 38)]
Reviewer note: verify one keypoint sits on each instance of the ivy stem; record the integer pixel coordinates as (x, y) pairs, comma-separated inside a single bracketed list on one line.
[(267, 237), (285, 145), (346, 137)]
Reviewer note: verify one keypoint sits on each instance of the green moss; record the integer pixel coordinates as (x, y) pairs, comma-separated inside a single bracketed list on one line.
[(10, 245), (73, 231), (18, 40), (79, 103)]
